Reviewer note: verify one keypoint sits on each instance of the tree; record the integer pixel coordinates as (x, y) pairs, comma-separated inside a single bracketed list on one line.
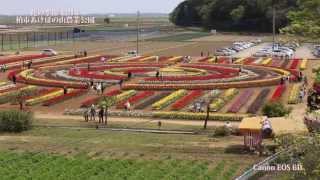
[(275, 109), (106, 103), (237, 13), (232, 15), (106, 20), (20, 97), (301, 149), (305, 21)]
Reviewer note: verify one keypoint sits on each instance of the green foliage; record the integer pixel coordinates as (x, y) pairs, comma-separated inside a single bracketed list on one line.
[(15, 121), (232, 15), (42, 166), (303, 150), (221, 131), (305, 21), (275, 109), (107, 101)]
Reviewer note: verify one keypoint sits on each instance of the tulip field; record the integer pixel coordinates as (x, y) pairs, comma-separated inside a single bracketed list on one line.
[(157, 84)]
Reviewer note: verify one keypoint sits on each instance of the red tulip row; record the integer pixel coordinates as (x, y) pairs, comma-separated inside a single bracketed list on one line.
[(241, 100), (277, 63), (64, 97), (106, 67), (278, 92), (184, 101), (11, 59), (223, 60), (205, 59), (294, 64), (92, 75), (138, 97), (88, 102), (249, 61)]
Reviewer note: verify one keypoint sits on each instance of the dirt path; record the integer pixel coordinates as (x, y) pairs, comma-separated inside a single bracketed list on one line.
[(63, 118)]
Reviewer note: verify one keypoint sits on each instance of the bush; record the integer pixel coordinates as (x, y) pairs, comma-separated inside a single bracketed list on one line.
[(275, 109), (221, 131), (15, 121)]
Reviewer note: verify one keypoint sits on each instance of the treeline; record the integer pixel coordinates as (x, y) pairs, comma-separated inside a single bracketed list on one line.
[(232, 15)]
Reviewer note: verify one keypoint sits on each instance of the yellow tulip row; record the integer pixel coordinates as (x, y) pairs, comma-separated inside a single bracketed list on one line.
[(125, 95), (37, 100), (218, 103), (303, 64), (174, 59), (240, 60), (164, 102), (294, 94), (266, 61), (147, 58)]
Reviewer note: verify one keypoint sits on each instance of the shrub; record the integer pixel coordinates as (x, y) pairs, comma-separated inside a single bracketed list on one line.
[(221, 131), (275, 109), (15, 121)]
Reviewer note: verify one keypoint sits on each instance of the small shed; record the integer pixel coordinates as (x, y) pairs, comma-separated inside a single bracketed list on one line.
[(251, 129)]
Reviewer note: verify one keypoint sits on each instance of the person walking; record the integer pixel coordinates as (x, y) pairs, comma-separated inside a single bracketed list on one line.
[(65, 90), (14, 79), (86, 114), (120, 83), (92, 113), (101, 115)]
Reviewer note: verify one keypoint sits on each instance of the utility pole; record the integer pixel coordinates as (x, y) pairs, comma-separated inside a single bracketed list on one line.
[(138, 31), (273, 24)]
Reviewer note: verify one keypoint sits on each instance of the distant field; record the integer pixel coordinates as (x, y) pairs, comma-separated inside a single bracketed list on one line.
[(42, 166), (181, 37)]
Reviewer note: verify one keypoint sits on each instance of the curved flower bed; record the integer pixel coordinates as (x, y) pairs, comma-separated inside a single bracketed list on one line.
[(169, 99), (88, 102), (40, 99), (294, 94), (294, 64), (242, 100), (278, 92), (94, 75), (12, 59), (258, 102), (181, 103), (26, 77), (206, 86), (7, 96), (64, 97), (138, 97)]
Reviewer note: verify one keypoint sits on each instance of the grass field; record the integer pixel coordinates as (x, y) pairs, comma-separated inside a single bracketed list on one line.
[(46, 153), (181, 37), (42, 166)]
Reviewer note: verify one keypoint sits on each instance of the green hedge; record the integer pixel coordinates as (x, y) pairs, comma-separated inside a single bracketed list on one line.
[(198, 116), (15, 121)]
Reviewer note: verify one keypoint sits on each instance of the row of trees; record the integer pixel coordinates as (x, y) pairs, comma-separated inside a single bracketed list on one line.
[(232, 15)]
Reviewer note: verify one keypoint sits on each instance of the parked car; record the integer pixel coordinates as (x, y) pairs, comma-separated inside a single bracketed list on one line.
[(49, 52)]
